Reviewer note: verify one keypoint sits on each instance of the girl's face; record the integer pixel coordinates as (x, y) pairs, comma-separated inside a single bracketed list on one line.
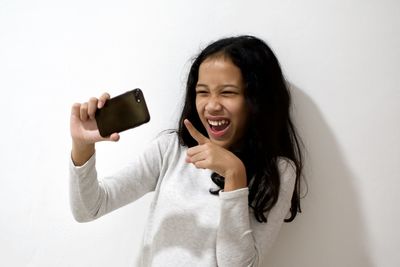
[(220, 101)]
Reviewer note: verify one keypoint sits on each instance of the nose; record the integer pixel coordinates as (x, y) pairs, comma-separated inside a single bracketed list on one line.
[(213, 104)]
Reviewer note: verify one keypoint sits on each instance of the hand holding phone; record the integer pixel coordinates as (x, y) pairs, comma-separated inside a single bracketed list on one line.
[(122, 112)]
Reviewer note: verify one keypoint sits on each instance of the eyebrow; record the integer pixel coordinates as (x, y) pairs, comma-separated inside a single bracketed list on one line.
[(222, 86)]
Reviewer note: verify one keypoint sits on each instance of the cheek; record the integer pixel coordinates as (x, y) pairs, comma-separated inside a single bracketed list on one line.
[(241, 117), (239, 109), (199, 106)]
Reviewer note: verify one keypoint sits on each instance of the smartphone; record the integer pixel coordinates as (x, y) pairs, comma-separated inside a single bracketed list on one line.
[(122, 112)]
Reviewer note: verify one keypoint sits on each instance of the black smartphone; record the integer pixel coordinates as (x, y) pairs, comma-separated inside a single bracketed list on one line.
[(122, 112)]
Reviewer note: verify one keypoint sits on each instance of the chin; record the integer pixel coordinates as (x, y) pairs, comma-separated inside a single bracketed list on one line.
[(221, 143)]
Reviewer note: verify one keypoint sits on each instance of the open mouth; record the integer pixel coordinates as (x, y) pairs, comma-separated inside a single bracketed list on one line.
[(218, 127)]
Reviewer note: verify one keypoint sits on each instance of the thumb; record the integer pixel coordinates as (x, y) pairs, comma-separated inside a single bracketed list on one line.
[(199, 137), (114, 137)]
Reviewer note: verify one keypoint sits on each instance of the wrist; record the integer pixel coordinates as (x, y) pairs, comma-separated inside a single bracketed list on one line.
[(81, 153), (235, 178)]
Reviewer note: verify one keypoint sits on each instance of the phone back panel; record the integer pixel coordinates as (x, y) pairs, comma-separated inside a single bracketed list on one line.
[(122, 112)]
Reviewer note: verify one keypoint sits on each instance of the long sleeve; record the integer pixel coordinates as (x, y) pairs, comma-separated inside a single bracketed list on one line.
[(91, 197), (241, 239)]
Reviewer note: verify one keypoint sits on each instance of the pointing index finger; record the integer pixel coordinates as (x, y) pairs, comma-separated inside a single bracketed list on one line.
[(199, 137)]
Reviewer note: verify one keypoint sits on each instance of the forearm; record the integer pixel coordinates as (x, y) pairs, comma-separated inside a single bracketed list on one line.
[(85, 192), (235, 241), (241, 239)]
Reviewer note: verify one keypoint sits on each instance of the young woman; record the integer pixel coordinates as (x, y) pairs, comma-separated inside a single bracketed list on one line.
[(224, 182)]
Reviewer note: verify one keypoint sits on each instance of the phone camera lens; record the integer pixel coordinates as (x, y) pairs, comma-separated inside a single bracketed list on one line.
[(137, 96)]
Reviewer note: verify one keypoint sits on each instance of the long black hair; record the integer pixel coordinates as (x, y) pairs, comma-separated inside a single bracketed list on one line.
[(270, 133)]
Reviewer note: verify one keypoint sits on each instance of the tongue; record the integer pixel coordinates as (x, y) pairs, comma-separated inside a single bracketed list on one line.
[(219, 127)]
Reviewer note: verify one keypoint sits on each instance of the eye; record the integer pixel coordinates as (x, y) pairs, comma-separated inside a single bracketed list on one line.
[(228, 93), (201, 91)]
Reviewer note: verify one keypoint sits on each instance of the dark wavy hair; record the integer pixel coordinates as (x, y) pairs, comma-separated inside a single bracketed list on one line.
[(270, 133)]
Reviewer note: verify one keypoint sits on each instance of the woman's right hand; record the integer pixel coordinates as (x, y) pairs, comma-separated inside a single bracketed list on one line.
[(84, 131)]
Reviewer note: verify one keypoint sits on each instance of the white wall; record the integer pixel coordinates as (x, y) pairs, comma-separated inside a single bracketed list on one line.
[(342, 58)]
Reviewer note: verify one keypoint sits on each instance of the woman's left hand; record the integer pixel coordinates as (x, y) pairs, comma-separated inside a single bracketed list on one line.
[(207, 155)]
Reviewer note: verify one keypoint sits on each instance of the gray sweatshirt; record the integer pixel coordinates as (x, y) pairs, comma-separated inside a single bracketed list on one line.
[(187, 226)]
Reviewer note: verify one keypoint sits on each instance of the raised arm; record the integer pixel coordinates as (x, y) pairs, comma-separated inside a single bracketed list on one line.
[(90, 196)]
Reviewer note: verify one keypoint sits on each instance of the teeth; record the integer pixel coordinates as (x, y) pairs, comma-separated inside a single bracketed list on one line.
[(217, 123)]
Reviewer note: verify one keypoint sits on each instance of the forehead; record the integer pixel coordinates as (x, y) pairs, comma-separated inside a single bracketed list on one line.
[(219, 69)]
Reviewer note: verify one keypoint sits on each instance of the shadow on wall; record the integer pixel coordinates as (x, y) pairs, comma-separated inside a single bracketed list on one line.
[(330, 231)]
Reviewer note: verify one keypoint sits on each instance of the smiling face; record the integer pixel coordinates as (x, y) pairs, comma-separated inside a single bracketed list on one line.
[(220, 101)]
